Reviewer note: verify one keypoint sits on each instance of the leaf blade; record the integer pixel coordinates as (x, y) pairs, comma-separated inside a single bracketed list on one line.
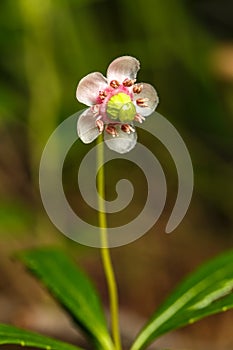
[(12, 335), (73, 289), (205, 292)]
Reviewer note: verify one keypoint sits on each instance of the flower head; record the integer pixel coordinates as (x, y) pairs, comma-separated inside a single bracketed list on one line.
[(115, 104)]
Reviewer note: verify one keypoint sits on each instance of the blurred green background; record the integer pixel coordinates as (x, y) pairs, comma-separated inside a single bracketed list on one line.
[(186, 51)]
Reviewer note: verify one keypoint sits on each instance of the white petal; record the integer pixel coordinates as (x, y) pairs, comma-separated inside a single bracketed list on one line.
[(149, 92), (122, 68), (122, 143), (86, 127), (89, 87)]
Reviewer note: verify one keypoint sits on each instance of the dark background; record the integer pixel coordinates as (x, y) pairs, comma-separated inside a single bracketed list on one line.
[(186, 52)]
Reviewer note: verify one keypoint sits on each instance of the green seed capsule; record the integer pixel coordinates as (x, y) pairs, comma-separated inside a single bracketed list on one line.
[(127, 112), (121, 107)]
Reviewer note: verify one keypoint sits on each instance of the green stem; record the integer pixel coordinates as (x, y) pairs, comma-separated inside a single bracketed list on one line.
[(105, 253)]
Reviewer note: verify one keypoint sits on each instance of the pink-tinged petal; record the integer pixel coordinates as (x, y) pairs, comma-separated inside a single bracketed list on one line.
[(122, 68), (86, 127), (151, 99), (89, 87), (123, 142)]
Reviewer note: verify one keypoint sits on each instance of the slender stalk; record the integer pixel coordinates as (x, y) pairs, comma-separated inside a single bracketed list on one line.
[(105, 253)]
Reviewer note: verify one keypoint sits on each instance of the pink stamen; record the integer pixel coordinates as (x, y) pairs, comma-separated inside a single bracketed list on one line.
[(127, 128), (100, 125), (137, 88), (114, 84), (141, 102), (95, 109), (128, 82), (111, 130), (102, 95), (139, 118)]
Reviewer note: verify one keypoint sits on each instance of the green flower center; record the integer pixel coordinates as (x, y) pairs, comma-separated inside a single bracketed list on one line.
[(121, 107)]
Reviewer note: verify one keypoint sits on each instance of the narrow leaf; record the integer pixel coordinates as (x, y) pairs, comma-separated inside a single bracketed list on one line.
[(73, 289), (12, 335), (207, 291)]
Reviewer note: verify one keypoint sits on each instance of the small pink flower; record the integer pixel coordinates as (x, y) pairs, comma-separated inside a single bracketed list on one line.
[(116, 102)]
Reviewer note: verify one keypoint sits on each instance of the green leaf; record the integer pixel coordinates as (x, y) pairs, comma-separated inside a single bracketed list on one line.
[(207, 291), (12, 335), (73, 289)]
